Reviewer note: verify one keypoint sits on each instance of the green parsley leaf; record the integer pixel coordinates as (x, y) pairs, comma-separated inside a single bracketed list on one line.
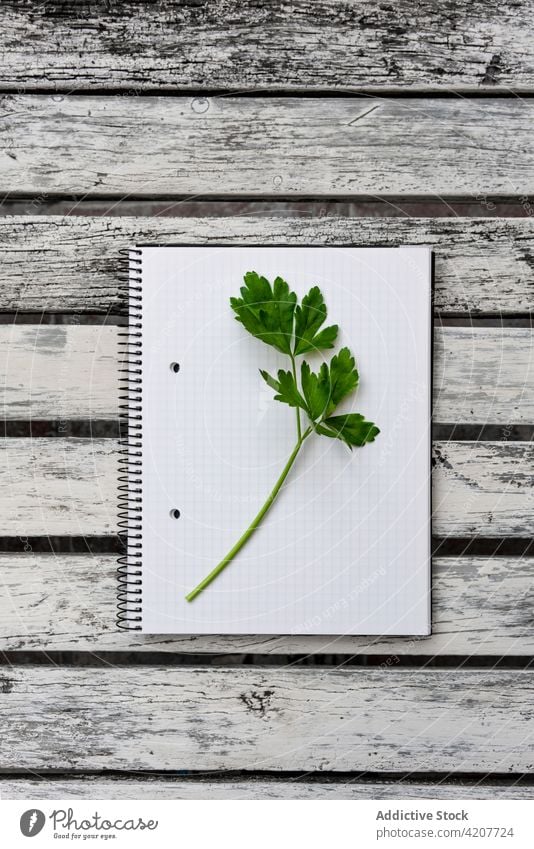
[(309, 317), (316, 389), (343, 377), (267, 312), (286, 389), (352, 429)]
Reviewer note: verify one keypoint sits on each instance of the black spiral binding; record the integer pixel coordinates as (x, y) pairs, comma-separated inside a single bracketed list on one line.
[(130, 581)]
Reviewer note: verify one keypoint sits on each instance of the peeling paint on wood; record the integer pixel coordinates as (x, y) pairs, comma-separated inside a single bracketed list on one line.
[(330, 44), (95, 146), (59, 264), (59, 372), (483, 375), (56, 486), (157, 718), (92, 787), (68, 603)]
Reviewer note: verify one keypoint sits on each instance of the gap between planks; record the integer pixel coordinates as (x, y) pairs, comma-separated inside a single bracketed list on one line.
[(468, 207)]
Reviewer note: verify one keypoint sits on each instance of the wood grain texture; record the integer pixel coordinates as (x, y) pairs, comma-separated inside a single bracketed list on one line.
[(62, 264), (92, 787), (483, 489), (68, 603), (294, 147), (58, 486), (69, 486), (482, 375), (59, 372), (171, 718), (245, 45)]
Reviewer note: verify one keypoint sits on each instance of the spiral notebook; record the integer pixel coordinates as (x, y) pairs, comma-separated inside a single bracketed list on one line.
[(211, 405)]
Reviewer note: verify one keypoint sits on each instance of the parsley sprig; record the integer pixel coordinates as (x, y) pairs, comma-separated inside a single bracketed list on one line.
[(272, 313)]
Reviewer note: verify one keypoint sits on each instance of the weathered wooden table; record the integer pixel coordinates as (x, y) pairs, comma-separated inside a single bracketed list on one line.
[(298, 117)]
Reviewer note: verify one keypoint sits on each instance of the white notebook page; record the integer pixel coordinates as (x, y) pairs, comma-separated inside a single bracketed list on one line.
[(345, 549)]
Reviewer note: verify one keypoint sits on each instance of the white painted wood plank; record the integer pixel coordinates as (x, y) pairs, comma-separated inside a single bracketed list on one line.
[(482, 375), (59, 372), (69, 486), (91, 146), (60, 264), (68, 603), (58, 486), (332, 44), (170, 718), (90, 787), (483, 489)]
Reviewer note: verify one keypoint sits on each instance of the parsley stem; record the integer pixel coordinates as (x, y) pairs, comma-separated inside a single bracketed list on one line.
[(255, 522), (294, 370)]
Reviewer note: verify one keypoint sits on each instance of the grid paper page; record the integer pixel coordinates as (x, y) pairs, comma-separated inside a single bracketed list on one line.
[(345, 548)]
